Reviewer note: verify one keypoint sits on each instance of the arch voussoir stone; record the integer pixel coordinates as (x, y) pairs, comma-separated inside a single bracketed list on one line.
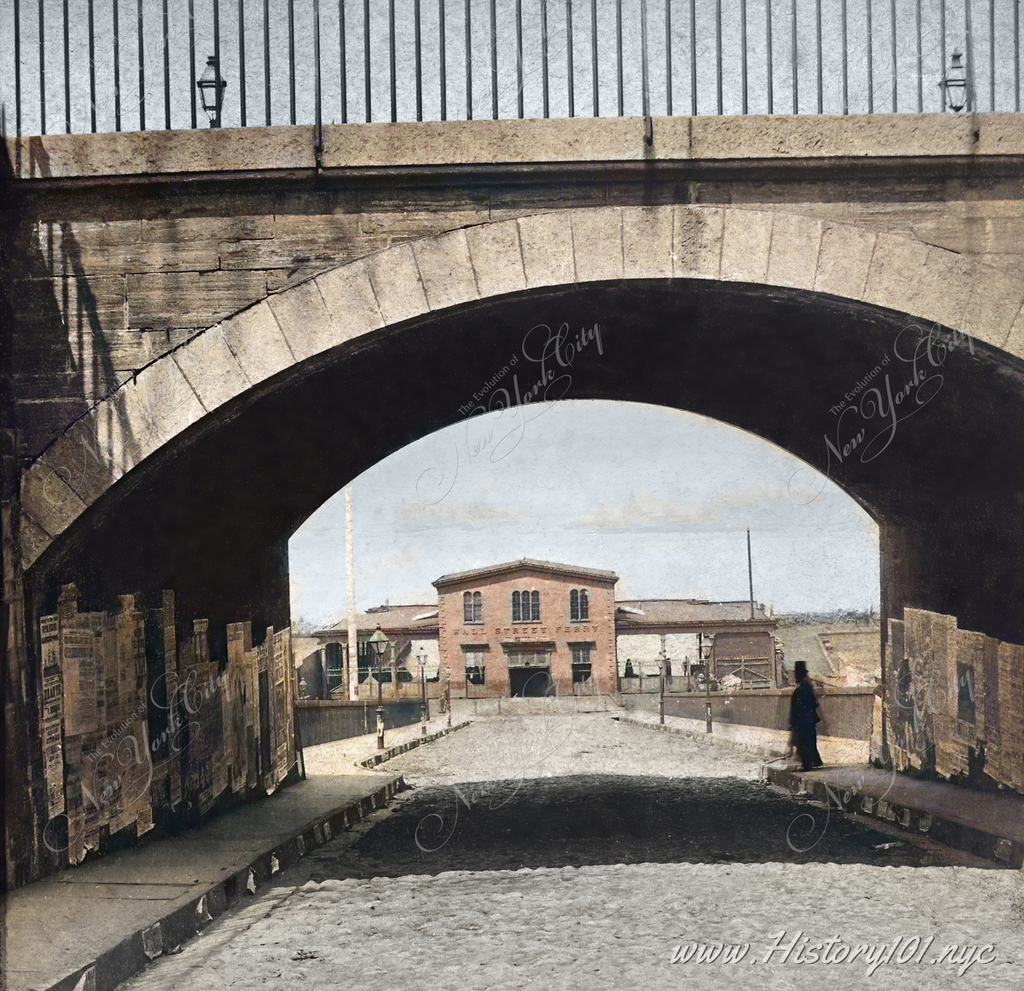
[(211, 369), (844, 260), (994, 309), (746, 243), (1015, 339), (697, 242), (78, 458), (497, 258), (54, 504), (257, 342), (396, 284), (305, 321), (647, 242), (563, 247), (795, 248), (548, 255), (600, 226), (349, 297), (446, 270)]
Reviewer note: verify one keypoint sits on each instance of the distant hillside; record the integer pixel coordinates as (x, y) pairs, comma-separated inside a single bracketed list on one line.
[(844, 617)]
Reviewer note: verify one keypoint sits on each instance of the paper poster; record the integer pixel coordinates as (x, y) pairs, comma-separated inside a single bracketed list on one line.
[(53, 713)]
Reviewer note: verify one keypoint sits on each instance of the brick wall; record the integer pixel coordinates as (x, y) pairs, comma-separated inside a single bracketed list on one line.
[(497, 629)]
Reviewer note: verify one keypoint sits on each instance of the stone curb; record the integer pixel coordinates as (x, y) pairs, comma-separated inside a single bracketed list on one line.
[(708, 738), (384, 755), (135, 952), (866, 801)]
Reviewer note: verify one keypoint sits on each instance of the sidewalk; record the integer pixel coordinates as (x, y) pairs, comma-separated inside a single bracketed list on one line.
[(752, 739), (989, 825), (90, 927), (985, 824)]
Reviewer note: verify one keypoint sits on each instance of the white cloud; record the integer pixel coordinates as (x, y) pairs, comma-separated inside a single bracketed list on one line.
[(727, 510)]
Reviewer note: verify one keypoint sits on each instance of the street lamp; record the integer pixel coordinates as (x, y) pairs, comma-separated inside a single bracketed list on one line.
[(422, 658), (661, 688), (211, 90), (954, 84), (379, 644), (705, 665)]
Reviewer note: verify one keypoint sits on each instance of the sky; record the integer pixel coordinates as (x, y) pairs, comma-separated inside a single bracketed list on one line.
[(661, 497)]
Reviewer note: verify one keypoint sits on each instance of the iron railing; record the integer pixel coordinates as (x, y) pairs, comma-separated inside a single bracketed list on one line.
[(108, 65)]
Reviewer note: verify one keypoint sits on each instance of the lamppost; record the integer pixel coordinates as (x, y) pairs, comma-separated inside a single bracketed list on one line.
[(211, 90), (954, 84), (422, 658), (379, 644), (707, 682), (661, 688)]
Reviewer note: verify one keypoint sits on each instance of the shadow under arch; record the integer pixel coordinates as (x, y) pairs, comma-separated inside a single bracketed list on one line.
[(211, 512)]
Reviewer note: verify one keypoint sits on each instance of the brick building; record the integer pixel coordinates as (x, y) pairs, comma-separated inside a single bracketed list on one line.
[(523, 627), (531, 627)]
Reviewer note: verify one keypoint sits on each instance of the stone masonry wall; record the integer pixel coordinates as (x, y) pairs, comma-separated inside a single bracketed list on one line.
[(109, 272)]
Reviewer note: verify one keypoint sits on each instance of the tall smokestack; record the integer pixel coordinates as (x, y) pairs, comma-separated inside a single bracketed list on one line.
[(353, 633), (750, 576)]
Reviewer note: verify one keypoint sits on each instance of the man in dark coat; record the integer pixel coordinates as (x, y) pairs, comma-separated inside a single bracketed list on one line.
[(803, 715)]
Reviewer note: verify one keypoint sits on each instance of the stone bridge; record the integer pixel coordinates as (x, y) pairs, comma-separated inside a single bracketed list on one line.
[(209, 333)]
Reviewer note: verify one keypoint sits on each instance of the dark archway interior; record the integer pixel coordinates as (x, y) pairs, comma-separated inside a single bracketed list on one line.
[(211, 515)]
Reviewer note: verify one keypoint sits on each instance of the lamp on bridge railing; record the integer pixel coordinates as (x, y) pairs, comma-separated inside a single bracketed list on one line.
[(954, 84), (211, 89)]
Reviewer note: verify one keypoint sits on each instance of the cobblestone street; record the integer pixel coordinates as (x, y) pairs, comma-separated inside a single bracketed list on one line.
[(588, 853)]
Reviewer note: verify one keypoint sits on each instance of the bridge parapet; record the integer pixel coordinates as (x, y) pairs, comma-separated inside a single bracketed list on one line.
[(743, 140)]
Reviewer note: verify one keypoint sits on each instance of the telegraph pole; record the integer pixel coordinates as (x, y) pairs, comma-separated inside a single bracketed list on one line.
[(750, 576), (353, 633)]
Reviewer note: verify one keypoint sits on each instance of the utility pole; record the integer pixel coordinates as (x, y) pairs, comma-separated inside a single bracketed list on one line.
[(750, 576), (353, 633)]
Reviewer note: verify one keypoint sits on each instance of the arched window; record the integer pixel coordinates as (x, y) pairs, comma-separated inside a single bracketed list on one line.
[(526, 607), (472, 607), (584, 605), (579, 606)]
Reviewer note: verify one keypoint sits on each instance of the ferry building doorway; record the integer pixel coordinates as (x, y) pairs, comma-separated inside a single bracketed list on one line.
[(529, 673)]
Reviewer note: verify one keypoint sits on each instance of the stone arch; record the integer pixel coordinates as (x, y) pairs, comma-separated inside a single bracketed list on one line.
[(413, 279)]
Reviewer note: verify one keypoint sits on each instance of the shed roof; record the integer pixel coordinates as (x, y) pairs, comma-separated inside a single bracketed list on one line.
[(660, 612)]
